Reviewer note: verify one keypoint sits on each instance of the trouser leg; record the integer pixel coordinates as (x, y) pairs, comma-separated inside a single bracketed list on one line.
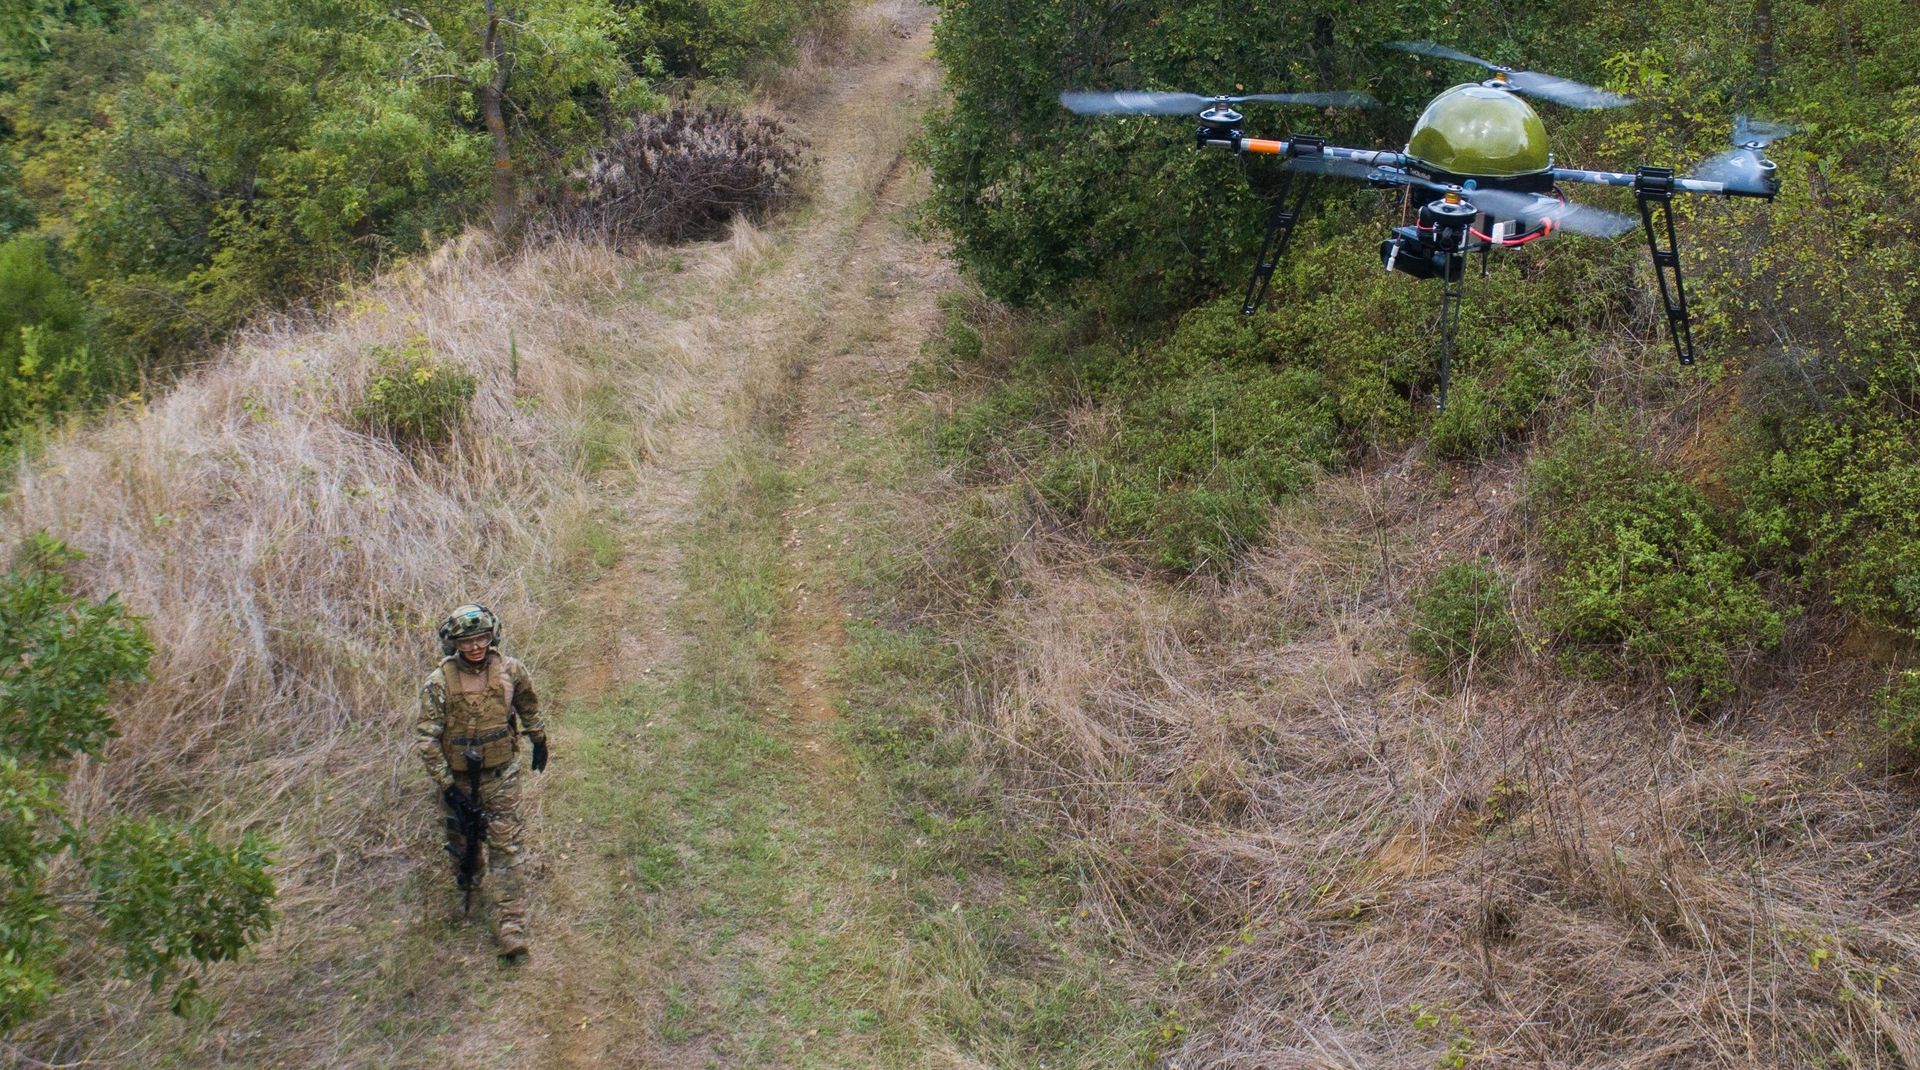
[(506, 862)]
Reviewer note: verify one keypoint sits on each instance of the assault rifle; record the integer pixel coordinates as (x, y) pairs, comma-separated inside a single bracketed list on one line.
[(468, 821)]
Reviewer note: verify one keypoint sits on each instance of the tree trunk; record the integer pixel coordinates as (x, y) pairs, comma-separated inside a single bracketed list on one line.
[(505, 206), (1763, 47)]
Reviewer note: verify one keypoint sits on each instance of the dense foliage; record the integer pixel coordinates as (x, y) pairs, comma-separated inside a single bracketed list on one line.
[(166, 896), (1648, 565), (1898, 704), (51, 355), (195, 163)]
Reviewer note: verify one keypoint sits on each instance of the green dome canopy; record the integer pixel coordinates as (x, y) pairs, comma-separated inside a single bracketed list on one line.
[(1474, 130)]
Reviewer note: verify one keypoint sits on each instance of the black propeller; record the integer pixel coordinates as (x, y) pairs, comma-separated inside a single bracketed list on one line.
[(1529, 209), (1745, 168), (1140, 102), (1533, 83)]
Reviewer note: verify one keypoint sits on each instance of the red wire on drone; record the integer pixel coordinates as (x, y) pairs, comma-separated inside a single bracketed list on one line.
[(1545, 228)]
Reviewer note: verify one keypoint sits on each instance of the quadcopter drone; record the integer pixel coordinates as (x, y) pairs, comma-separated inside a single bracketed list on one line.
[(1478, 169)]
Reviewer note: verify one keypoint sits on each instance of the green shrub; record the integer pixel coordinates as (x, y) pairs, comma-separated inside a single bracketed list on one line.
[(1196, 464), (414, 399), (1471, 425), (1647, 567), (50, 360), (963, 345), (60, 657), (16, 212), (167, 896), (1837, 501), (29, 944), (170, 894), (1898, 707), (1462, 615), (1002, 423), (729, 38), (1213, 424)]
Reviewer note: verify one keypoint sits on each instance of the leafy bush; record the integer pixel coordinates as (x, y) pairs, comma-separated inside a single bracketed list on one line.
[(16, 212), (414, 399), (1647, 565), (170, 894), (29, 944), (681, 176), (1211, 426), (167, 896), (728, 38), (1462, 615), (1003, 423), (59, 659), (1836, 499), (1196, 464), (50, 361), (1898, 707)]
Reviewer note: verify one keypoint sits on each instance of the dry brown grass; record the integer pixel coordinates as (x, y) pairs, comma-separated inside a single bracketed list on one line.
[(292, 568), (1340, 861), (853, 35)]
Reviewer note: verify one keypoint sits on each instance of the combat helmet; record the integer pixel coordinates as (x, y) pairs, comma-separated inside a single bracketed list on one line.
[(464, 623)]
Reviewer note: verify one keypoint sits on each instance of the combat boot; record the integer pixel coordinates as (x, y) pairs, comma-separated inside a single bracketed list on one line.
[(510, 943)]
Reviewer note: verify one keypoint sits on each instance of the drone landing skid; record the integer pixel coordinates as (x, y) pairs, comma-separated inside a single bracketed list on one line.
[(1288, 204), (1654, 190), (1454, 288)]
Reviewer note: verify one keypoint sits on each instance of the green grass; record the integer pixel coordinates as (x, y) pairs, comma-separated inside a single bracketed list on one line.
[(1006, 970), (607, 436), (742, 879)]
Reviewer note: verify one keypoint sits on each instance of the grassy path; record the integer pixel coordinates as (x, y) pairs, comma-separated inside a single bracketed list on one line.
[(716, 889)]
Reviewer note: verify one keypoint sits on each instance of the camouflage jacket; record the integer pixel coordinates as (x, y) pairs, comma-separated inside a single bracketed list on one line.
[(519, 717)]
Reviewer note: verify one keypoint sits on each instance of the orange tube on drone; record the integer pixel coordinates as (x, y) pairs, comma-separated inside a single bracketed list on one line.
[(1262, 146)]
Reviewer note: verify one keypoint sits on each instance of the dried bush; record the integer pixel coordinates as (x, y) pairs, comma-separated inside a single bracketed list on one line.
[(682, 176)]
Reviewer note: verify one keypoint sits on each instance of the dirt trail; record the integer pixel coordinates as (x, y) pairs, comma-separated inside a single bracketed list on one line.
[(828, 305)]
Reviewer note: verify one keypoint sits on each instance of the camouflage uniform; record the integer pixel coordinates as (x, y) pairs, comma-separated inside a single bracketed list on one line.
[(485, 707)]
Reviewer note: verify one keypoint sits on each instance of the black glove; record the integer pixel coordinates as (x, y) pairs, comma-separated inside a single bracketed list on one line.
[(539, 755)]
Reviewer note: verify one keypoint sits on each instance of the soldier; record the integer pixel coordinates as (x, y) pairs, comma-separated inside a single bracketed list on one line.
[(473, 710)]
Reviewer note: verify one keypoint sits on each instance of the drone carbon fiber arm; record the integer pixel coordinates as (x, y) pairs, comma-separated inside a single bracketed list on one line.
[(1257, 146), (1630, 180), (1741, 171)]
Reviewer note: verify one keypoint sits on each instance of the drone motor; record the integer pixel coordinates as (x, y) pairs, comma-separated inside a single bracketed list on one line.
[(1428, 249)]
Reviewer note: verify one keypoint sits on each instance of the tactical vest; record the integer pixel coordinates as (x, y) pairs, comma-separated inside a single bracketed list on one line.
[(479, 714)]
